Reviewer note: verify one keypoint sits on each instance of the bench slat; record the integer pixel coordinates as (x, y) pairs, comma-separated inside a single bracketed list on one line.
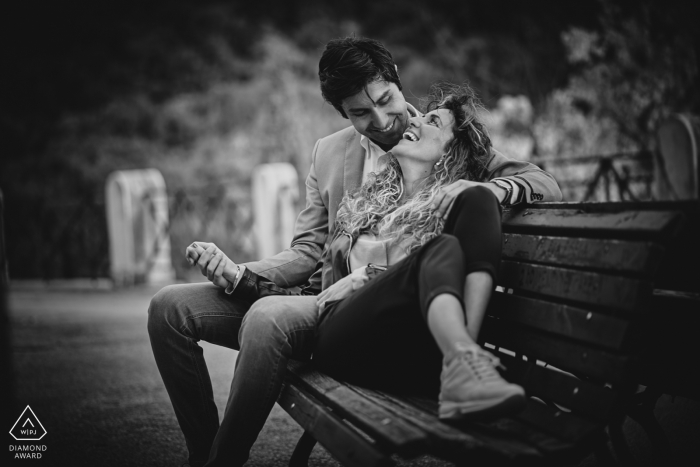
[(447, 436), (563, 425), (447, 441), (581, 286), (614, 255), (345, 445), (591, 400), (505, 430), (564, 320), (626, 223), (568, 355), (390, 431)]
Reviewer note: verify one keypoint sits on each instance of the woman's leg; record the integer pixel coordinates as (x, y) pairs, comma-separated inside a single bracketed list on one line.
[(470, 384), (446, 317), (446, 323), (475, 220)]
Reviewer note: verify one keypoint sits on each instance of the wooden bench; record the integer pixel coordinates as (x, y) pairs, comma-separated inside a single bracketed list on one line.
[(594, 321)]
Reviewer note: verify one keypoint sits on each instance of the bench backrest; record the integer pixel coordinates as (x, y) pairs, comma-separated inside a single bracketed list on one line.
[(572, 319)]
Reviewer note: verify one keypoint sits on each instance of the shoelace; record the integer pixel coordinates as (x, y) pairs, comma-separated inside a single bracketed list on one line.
[(483, 364)]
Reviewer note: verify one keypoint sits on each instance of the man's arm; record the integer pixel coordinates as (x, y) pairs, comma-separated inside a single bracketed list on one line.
[(521, 181), (294, 265), (511, 181)]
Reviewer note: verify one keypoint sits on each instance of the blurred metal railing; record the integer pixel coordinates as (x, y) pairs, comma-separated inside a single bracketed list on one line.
[(70, 240), (612, 177)]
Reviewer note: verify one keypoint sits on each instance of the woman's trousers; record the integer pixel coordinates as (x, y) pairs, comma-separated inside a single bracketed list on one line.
[(378, 336)]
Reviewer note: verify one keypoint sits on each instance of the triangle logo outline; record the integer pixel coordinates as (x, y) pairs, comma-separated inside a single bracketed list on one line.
[(23, 416)]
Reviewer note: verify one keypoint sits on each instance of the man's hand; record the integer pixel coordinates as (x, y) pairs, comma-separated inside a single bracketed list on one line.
[(337, 291), (442, 205), (212, 262)]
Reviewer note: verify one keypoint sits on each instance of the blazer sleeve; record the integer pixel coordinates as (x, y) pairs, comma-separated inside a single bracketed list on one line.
[(527, 182), (297, 263)]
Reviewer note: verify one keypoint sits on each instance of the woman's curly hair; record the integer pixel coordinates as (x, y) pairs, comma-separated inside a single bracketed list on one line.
[(378, 206)]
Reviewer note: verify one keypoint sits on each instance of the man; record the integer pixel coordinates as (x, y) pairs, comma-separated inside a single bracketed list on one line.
[(359, 78)]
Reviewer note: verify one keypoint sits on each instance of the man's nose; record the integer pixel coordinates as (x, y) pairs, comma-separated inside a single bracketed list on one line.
[(380, 119)]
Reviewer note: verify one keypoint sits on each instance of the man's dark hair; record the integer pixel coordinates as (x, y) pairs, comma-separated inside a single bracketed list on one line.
[(348, 65)]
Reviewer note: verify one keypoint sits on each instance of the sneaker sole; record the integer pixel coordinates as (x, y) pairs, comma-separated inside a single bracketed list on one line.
[(472, 411)]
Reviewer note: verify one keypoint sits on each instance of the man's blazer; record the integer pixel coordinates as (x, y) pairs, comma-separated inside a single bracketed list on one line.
[(336, 168)]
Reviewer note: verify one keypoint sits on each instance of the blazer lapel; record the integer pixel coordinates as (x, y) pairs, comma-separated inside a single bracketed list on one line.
[(354, 163)]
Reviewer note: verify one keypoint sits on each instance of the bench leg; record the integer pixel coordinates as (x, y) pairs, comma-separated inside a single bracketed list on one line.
[(300, 456), (605, 457), (619, 443), (643, 413)]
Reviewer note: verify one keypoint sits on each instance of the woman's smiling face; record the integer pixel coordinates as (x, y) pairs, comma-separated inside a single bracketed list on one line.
[(427, 137)]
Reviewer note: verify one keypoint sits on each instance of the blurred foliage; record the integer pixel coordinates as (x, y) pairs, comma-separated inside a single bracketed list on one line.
[(206, 90), (638, 67)]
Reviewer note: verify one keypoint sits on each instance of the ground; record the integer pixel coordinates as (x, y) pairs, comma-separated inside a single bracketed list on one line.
[(83, 363)]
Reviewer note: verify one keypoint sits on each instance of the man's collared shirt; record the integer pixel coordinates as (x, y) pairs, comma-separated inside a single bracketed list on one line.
[(375, 158)]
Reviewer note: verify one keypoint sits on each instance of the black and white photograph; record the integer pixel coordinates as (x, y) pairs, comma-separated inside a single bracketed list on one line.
[(273, 233)]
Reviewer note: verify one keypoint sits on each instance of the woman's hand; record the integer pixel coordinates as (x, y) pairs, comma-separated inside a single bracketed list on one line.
[(446, 196), (212, 262), (337, 291)]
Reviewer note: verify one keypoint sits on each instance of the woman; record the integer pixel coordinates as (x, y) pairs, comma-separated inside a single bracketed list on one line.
[(410, 288)]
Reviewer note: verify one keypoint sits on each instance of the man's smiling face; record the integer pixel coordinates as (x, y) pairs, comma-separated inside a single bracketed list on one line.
[(379, 112)]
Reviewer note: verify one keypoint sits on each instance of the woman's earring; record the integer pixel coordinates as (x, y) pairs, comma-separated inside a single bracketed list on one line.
[(437, 165)]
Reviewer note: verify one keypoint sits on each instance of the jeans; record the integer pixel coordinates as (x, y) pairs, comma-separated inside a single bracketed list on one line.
[(266, 333)]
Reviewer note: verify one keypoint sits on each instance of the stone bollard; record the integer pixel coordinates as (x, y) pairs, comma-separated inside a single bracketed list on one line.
[(137, 221), (275, 195)]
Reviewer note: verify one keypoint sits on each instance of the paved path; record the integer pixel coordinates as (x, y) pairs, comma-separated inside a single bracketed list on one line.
[(84, 364)]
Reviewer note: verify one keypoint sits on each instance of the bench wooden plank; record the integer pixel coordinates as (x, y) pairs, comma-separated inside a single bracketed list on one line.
[(392, 432), (629, 223), (504, 431), (591, 400), (445, 440), (615, 255), (564, 320), (445, 435), (555, 422), (571, 356), (607, 290), (345, 445)]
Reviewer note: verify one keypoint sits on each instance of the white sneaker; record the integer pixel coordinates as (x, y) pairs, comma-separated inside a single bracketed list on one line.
[(470, 385)]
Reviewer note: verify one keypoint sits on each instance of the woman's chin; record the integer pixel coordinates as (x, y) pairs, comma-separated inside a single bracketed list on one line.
[(402, 149)]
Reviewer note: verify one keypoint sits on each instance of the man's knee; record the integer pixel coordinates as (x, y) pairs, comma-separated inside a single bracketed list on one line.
[(164, 306)]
